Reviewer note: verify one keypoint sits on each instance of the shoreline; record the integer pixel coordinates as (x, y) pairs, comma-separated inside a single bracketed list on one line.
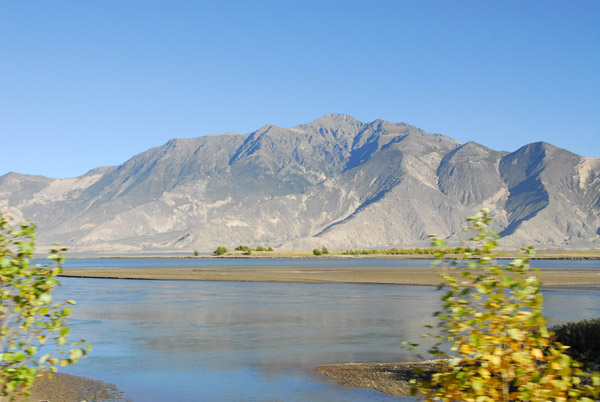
[(561, 257), (305, 254), (552, 278), (388, 378), (62, 387)]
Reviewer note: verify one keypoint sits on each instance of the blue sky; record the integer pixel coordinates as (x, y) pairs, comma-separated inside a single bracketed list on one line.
[(91, 83)]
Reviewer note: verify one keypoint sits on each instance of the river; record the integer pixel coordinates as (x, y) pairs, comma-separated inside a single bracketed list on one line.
[(230, 341)]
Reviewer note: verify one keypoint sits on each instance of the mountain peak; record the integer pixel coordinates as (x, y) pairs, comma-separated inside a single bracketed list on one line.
[(336, 124), (335, 181), (335, 119)]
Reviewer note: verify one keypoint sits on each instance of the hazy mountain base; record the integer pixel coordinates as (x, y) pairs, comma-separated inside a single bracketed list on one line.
[(336, 182)]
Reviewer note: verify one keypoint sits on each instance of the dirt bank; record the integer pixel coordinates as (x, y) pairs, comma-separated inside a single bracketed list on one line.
[(389, 378), (69, 388)]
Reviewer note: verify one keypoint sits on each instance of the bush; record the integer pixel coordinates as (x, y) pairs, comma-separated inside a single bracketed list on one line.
[(246, 249), (317, 252), (324, 250), (500, 348), (29, 317), (583, 339), (220, 250)]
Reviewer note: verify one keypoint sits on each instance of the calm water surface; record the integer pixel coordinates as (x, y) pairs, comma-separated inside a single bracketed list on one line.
[(228, 341)]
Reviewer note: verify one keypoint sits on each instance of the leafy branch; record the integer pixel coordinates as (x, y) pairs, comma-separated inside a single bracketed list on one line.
[(31, 321), (499, 346)]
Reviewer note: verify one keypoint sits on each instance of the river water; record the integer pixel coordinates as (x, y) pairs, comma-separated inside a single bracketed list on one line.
[(230, 341)]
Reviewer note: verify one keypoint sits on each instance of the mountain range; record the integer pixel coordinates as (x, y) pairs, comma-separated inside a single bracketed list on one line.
[(334, 182)]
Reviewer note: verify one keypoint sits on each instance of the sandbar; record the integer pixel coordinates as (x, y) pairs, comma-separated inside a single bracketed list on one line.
[(580, 278), (63, 387)]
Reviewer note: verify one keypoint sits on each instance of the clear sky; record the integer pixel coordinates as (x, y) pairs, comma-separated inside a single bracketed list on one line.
[(91, 83)]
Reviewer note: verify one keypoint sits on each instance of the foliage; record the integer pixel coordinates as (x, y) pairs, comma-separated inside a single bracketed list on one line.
[(246, 249), (321, 251), (500, 348), (583, 339), (260, 248), (196, 253), (405, 251), (220, 250), (270, 249), (31, 321)]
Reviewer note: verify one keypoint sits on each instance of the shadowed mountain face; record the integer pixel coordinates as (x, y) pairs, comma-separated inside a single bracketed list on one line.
[(335, 181)]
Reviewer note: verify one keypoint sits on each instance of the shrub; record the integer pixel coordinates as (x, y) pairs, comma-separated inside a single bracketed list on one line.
[(220, 250), (30, 320), (324, 250), (259, 248), (500, 348), (317, 252), (246, 249), (583, 339)]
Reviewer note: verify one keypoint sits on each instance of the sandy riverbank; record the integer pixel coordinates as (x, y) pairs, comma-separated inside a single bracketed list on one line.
[(551, 278), (69, 388), (389, 378)]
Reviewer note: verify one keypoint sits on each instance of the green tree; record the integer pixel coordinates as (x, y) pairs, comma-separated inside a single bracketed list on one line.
[(317, 252), (500, 348), (31, 322), (220, 250)]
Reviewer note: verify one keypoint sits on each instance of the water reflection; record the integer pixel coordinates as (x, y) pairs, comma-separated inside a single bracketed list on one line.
[(231, 341)]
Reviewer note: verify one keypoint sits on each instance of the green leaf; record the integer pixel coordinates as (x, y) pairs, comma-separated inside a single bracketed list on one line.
[(44, 358), (75, 354), (45, 298)]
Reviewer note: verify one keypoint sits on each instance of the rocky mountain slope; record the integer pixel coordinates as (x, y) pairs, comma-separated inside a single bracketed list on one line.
[(335, 181)]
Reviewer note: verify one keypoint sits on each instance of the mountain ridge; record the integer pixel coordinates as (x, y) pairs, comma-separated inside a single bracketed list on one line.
[(334, 181)]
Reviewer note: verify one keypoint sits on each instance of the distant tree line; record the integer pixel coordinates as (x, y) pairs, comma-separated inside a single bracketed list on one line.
[(245, 249), (408, 251)]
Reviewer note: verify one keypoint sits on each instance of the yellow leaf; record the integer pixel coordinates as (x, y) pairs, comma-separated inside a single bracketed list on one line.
[(495, 360), (466, 348)]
